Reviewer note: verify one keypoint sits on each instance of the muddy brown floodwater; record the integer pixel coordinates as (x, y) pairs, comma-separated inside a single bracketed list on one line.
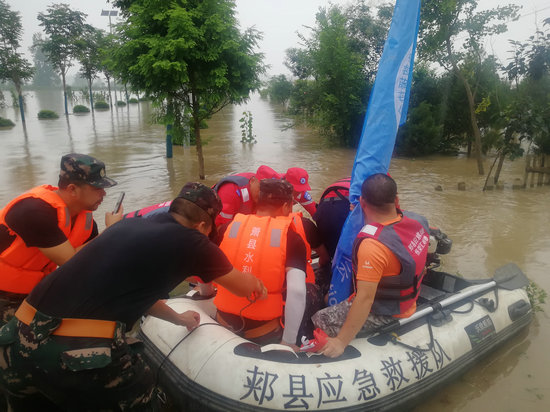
[(488, 229)]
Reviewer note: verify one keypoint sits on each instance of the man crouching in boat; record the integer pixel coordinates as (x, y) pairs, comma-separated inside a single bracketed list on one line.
[(67, 344), (389, 259), (269, 245)]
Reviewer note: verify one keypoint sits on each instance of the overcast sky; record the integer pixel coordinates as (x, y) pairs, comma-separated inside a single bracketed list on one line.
[(280, 20)]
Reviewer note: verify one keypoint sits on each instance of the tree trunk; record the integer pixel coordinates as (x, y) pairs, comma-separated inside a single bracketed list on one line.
[(499, 166), (109, 88), (471, 104), (20, 97), (91, 95), (114, 89), (198, 142), (473, 120), (64, 93)]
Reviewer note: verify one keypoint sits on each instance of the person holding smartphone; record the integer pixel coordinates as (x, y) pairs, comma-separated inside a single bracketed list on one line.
[(43, 228)]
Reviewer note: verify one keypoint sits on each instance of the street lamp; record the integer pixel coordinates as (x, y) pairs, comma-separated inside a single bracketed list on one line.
[(109, 13)]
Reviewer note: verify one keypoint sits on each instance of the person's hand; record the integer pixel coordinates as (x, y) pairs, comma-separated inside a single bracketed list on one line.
[(333, 348), (190, 319), (294, 347), (260, 291), (111, 218)]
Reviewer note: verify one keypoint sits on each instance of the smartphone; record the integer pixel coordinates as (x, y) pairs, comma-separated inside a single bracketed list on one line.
[(118, 202)]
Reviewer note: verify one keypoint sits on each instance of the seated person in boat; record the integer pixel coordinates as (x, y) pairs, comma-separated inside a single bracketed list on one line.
[(331, 214), (238, 193), (66, 344), (271, 244), (45, 226), (389, 259), (298, 178)]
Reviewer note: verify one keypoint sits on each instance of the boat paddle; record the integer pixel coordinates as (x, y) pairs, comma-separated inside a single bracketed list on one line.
[(507, 277)]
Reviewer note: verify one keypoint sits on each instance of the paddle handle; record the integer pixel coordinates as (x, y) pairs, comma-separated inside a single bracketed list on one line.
[(444, 303)]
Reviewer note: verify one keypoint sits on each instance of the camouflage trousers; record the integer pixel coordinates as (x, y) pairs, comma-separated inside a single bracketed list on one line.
[(9, 302), (41, 371), (331, 319)]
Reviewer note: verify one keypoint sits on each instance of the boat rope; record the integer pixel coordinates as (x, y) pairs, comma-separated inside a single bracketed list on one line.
[(395, 340), (251, 301)]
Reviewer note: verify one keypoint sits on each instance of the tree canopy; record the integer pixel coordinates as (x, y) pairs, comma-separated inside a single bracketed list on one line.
[(13, 66), (189, 55), (64, 28)]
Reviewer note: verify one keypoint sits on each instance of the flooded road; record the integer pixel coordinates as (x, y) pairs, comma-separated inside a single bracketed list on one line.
[(488, 229)]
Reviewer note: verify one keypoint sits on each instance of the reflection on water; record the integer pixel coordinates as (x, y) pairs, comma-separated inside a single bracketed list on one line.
[(488, 229)]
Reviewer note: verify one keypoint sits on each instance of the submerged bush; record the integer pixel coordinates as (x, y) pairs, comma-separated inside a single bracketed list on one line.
[(47, 114), (6, 122), (101, 105), (132, 100), (120, 103), (80, 109)]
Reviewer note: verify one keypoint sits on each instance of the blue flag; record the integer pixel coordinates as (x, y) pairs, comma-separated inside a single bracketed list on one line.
[(387, 110)]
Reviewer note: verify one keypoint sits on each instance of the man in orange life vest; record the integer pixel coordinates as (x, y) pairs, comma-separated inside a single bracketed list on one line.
[(298, 177), (45, 226), (269, 244), (389, 259)]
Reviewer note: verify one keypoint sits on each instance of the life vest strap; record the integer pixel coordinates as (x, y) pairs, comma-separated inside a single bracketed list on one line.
[(78, 328)]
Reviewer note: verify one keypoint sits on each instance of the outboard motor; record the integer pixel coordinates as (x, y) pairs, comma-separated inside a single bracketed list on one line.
[(440, 244)]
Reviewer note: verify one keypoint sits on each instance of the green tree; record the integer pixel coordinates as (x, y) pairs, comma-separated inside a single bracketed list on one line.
[(452, 34), (89, 57), (336, 67), (13, 66), (44, 74), (188, 53), (280, 89), (64, 28)]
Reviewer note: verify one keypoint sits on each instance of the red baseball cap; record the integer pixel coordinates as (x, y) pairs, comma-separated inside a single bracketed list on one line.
[(298, 177), (266, 172)]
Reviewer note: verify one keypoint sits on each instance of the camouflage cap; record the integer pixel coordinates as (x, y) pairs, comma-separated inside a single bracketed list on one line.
[(77, 167), (203, 197)]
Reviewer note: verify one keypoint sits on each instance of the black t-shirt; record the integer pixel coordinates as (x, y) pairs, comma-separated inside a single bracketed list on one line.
[(35, 221), (312, 233), (123, 272), (295, 248)]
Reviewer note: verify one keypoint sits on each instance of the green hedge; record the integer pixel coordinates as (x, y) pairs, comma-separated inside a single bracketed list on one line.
[(81, 109), (6, 122), (47, 114), (132, 100), (100, 105), (120, 103)]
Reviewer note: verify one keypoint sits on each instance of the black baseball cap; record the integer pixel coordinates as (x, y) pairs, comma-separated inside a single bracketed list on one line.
[(205, 198), (276, 190), (76, 167)]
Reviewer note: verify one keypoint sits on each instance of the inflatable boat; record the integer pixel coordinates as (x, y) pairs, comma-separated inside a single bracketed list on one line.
[(457, 322)]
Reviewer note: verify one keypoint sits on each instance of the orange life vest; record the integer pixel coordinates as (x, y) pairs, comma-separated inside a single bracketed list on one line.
[(256, 244), (299, 228), (22, 267)]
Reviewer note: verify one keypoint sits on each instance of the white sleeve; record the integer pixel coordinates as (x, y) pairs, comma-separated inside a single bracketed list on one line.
[(295, 303)]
